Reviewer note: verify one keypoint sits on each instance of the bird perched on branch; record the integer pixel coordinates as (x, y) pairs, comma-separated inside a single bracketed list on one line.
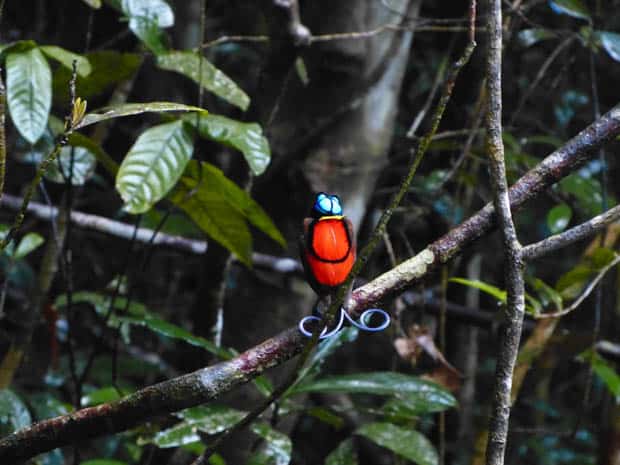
[(327, 246)]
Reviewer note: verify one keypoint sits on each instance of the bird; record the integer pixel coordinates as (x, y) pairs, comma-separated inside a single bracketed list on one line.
[(327, 247)]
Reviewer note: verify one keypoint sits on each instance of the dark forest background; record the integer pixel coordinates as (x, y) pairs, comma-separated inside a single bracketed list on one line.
[(335, 100)]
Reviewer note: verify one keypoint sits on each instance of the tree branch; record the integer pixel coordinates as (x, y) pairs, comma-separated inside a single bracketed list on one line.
[(145, 235), (552, 243), (515, 286), (206, 384)]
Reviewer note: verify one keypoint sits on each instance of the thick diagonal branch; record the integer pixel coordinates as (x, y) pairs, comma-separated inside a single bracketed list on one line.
[(208, 383)]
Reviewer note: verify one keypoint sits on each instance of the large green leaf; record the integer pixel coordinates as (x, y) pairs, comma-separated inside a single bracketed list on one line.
[(403, 441), (246, 137), (75, 163), (202, 71), (212, 213), (153, 165), (66, 58), (108, 68), (220, 208), (382, 383), (29, 92), (276, 450), (238, 198), (14, 414), (146, 18), (130, 109)]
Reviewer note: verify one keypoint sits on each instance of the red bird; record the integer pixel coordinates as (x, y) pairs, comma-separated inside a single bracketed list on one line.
[(327, 245)]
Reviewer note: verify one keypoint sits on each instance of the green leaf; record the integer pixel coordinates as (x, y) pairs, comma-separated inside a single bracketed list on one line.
[(80, 140), (103, 462), (29, 242), (178, 435), (101, 396), (66, 58), (412, 405), (220, 208), (246, 137), (382, 383), (14, 414), (572, 282), (95, 4), (276, 450), (586, 190), (17, 47), (611, 43), (237, 198), (130, 109), (153, 165), (574, 8), (83, 164), (403, 441), (213, 214), (546, 293), (212, 419), (493, 291), (138, 315), (601, 257), (529, 37), (29, 92), (201, 71), (326, 416), (108, 68), (209, 419), (173, 331), (344, 454), (158, 10), (604, 370), (146, 18), (558, 218)]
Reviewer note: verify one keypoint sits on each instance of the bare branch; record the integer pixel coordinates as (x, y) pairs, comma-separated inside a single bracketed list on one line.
[(572, 235), (126, 231), (515, 286)]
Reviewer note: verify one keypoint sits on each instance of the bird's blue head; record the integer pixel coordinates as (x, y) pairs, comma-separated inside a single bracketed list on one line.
[(326, 205)]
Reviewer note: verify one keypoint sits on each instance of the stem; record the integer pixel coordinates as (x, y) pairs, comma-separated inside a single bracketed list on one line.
[(515, 308)]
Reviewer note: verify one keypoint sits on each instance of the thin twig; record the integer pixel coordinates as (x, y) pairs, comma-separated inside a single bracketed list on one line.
[(515, 308), (577, 233), (586, 292)]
